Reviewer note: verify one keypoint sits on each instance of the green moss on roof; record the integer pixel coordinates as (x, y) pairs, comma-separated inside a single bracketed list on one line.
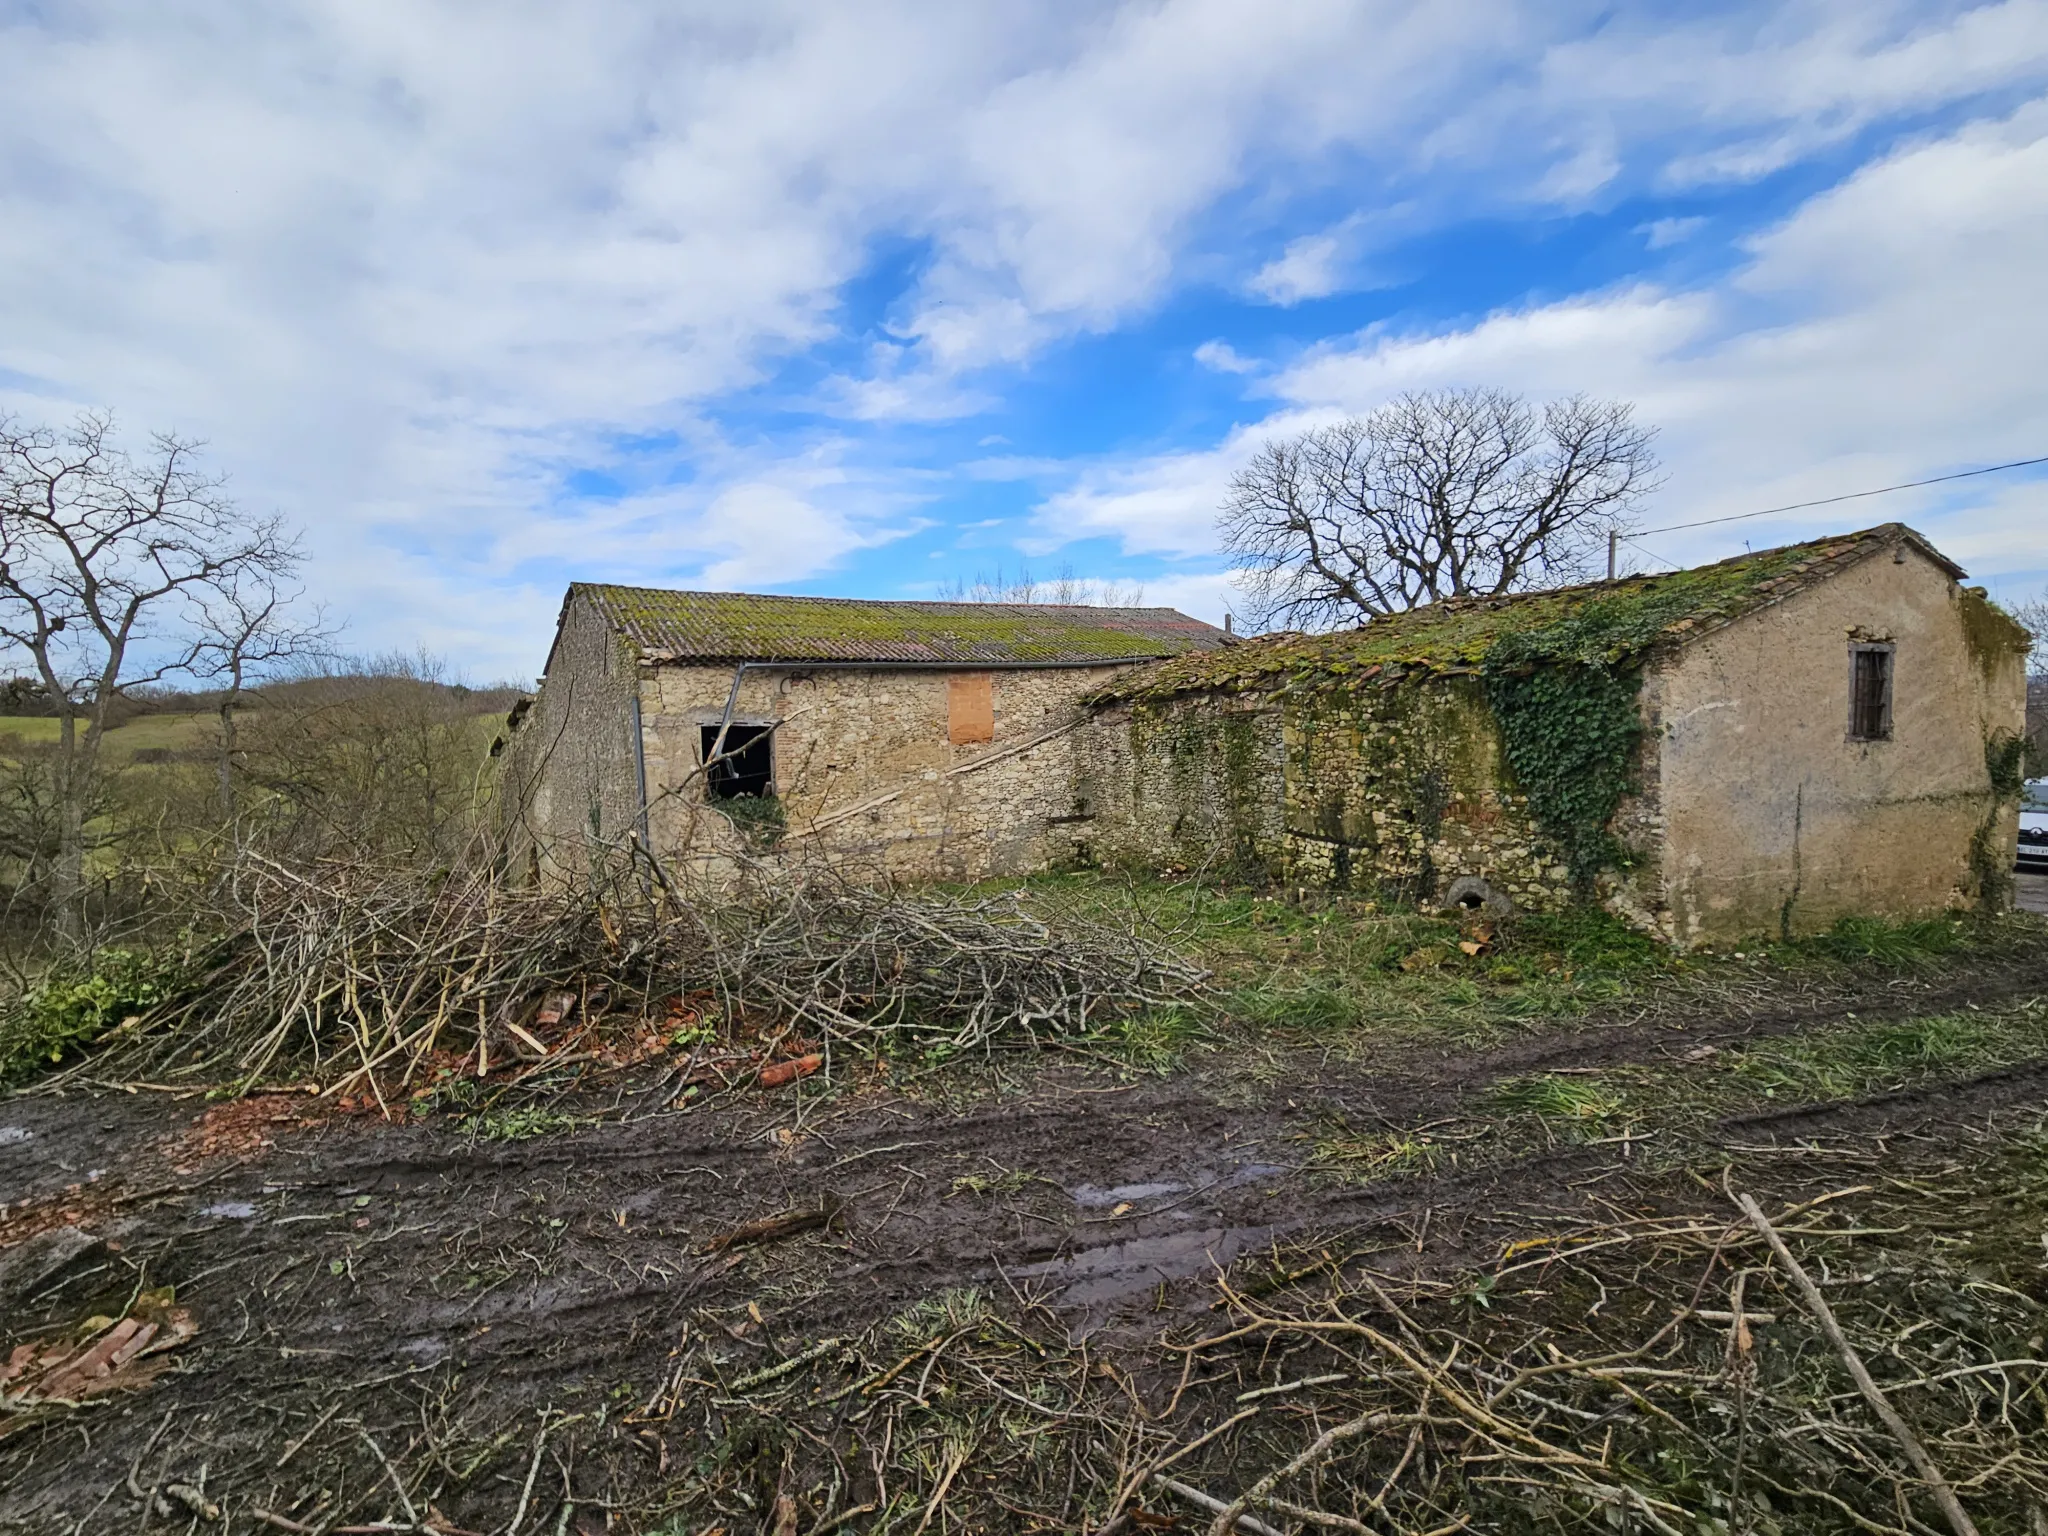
[(1608, 623), (735, 626)]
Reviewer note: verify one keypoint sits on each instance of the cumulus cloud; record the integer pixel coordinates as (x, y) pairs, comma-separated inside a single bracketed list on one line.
[(1222, 357), (409, 263), (1890, 329), (1308, 269), (1659, 233)]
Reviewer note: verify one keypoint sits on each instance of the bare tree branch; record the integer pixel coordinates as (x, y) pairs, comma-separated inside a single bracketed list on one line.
[(107, 566), (1443, 494)]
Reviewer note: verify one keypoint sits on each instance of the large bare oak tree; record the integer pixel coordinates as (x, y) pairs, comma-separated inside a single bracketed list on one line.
[(113, 571), (1447, 493)]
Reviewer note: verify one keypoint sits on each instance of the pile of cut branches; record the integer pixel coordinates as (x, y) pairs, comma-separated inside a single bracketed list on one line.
[(367, 979)]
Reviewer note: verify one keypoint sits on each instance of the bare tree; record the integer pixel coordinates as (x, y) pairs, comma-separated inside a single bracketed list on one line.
[(250, 633), (1449, 493), (2033, 616), (107, 563), (1066, 589)]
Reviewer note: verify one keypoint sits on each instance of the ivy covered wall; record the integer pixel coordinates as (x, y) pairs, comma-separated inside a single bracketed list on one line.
[(1183, 784), (1399, 788)]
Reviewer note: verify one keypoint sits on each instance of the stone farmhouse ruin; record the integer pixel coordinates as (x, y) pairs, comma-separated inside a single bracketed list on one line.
[(919, 741), (1759, 746)]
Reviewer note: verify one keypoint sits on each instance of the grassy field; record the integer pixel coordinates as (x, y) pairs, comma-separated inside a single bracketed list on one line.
[(177, 733)]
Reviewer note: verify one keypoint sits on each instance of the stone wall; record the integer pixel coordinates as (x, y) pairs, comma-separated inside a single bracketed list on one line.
[(1392, 788), (571, 787), (867, 773), (1775, 822), (1194, 783)]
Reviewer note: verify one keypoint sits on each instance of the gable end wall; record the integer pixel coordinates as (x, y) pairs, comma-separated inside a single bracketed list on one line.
[(571, 784), (1774, 822)]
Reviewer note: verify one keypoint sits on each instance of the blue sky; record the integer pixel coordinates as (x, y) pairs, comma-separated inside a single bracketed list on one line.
[(865, 299)]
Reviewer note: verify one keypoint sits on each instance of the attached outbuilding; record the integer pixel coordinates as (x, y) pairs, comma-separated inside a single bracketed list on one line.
[(1765, 745), (900, 739)]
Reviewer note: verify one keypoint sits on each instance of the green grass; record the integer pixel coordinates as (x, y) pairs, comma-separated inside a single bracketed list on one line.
[(1586, 941), (1156, 1041), (1343, 973), (1364, 1158), (1342, 970), (1872, 939), (1576, 1104), (522, 1123), (176, 733), (1878, 1058), (1320, 1006)]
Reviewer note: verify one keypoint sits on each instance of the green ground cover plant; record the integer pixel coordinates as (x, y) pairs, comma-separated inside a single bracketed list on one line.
[(81, 999)]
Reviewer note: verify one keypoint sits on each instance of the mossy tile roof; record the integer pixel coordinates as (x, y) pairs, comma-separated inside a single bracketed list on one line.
[(1612, 622), (739, 626)]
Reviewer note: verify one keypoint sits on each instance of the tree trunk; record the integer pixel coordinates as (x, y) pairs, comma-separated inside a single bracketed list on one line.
[(76, 773), (227, 767), (67, 876)]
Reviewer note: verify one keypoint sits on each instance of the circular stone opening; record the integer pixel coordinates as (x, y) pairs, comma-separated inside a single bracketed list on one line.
[(1469, 896)]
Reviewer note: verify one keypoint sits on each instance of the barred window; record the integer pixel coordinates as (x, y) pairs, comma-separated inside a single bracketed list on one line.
[(1870, 692)]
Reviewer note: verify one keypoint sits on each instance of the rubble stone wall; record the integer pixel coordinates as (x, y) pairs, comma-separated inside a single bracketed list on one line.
[(1396, 788), (570, 787), (866, 772)]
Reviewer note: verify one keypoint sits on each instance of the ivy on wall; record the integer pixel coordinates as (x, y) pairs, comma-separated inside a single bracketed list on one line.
[(1569, 730)]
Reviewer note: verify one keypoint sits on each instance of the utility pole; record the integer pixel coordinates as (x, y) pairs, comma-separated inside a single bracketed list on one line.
[(1613, 538)]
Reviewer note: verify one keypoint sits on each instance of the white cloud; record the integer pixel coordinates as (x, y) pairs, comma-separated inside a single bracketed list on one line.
[(1770, 85), (1221, 357), (1308, 269), (1161, 505), (404, 262), (1890, 329), (1205, 595), (1659, 233)]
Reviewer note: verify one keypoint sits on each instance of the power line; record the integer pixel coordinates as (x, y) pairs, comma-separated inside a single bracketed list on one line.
[(1829, 501)]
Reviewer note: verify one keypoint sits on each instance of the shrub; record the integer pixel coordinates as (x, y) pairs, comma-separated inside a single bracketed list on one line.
[(77, 1003)]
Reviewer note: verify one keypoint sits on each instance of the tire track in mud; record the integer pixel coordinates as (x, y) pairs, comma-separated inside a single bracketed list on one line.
[(1110, 1200)]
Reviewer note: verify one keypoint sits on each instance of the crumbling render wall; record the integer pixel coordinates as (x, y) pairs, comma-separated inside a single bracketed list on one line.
[(868, 771), (570, 788), (1776, 822), (1388, 787)]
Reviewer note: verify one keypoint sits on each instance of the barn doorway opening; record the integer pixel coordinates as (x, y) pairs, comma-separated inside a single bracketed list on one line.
[(746, 764)]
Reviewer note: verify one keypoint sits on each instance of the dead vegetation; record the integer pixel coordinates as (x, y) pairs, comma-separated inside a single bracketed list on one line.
[(1516, 1292), (372, 981), (1669, 1369)]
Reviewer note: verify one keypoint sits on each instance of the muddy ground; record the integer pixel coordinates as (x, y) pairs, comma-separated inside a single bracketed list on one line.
[(345, 1271)]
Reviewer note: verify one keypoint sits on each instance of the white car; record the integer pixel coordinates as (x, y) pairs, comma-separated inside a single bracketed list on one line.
[(2033, 852)]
